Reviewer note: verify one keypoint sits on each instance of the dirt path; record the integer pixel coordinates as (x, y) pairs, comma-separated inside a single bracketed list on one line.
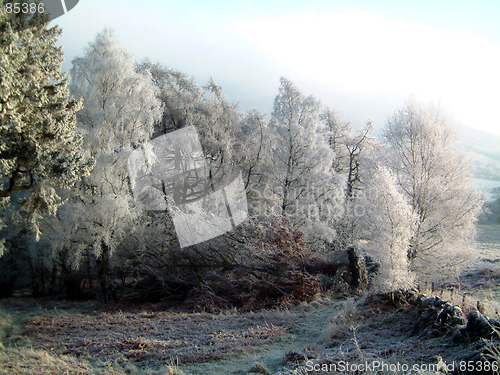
[(306, 335), (348, 330)]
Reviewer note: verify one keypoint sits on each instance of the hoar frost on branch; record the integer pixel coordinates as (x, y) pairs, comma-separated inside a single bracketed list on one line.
[(305, 164), (120, 105), (436, 180), (120, 110), (304, 183), (39, 147), (390, 222), (230, 138), (352, 162)]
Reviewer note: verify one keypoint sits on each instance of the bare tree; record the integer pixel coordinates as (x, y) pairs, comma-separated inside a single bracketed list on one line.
[(355, 145)]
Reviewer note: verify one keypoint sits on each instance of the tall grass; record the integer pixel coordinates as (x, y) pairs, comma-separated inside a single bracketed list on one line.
[(492, 351), (6, 327)]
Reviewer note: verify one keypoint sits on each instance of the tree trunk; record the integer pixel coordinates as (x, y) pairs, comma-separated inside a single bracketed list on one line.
[(103, 273), (357, 268)]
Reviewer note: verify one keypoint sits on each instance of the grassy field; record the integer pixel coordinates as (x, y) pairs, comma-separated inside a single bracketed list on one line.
[(83, 338), (489, 241), (483, 278)]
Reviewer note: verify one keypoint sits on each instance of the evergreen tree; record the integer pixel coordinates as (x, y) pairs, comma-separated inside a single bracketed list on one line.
[(39, 148)]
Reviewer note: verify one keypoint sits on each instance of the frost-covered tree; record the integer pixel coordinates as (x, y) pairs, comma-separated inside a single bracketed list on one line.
[(39, 148), (120, 104), (237, 141), (389, 222), (187, 104), (304, 182), (254, 150), (348, 147), (352, 161), (181, 96), (217, 123), (436, 180), (338, 131), (120, 110)]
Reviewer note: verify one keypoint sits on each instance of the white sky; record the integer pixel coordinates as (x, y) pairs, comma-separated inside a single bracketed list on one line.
[(360, 59)]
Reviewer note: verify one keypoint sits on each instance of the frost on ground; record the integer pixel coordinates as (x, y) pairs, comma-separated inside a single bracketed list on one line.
[(483, 279), (155, 337), (273, 342)]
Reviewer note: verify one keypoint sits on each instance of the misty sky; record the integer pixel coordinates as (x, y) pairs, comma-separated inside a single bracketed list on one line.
[(362, 58)]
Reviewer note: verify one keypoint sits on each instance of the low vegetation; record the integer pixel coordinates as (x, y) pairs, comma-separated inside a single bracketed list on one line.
[(91, 338)]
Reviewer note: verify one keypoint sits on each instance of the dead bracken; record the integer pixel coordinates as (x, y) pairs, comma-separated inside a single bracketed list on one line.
[(157, 336)]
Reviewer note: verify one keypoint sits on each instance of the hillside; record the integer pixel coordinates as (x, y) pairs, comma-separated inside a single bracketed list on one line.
[(484, 149)]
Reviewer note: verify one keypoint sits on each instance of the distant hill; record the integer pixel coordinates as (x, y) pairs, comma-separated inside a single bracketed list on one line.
[(484, 148)]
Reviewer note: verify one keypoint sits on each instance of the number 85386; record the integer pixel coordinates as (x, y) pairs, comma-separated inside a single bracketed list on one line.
[(24, 8)]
